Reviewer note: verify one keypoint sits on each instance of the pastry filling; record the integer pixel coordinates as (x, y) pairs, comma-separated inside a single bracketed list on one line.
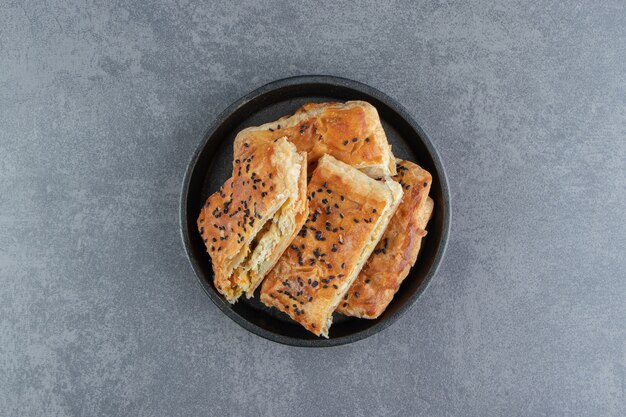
[(264, 244)]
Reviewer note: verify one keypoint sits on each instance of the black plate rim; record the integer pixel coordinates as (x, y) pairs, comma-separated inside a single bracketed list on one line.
[(330, 80)]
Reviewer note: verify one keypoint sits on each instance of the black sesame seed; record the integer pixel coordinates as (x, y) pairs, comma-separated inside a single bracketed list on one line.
[(314, 284), (246, 145), (354, 139), (345, 142), (367, 139)]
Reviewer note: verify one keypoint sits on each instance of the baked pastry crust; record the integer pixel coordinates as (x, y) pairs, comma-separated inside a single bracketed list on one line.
[(397, 251), (348, 213), (351, 132), (248, 223)]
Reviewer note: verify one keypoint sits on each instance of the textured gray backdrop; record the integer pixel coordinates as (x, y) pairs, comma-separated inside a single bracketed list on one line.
[(102, 104)]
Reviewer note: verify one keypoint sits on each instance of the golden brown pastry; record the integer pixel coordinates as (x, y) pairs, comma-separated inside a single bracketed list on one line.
[(249, 222), (348, 213), (350, 131), (397, 251)]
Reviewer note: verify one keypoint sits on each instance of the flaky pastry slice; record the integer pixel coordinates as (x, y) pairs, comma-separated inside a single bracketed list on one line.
[(351, 132), (348, 213), (397, 251), (250, 221)]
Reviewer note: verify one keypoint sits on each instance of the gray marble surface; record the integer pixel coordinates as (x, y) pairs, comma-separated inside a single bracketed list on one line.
[(102, 104)]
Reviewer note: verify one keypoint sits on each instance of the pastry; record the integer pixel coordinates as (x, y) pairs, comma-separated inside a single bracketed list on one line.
[(397, 251), (351, 132), (249, 222), (348, 213)]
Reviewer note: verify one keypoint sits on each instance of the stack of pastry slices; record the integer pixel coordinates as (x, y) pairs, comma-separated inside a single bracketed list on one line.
[(319, 214)]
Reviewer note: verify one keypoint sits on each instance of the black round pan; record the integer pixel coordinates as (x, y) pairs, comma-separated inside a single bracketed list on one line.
[(211, 166)]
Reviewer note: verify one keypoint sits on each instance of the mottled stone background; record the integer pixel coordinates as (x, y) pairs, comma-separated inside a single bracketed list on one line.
[(102, 104)]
